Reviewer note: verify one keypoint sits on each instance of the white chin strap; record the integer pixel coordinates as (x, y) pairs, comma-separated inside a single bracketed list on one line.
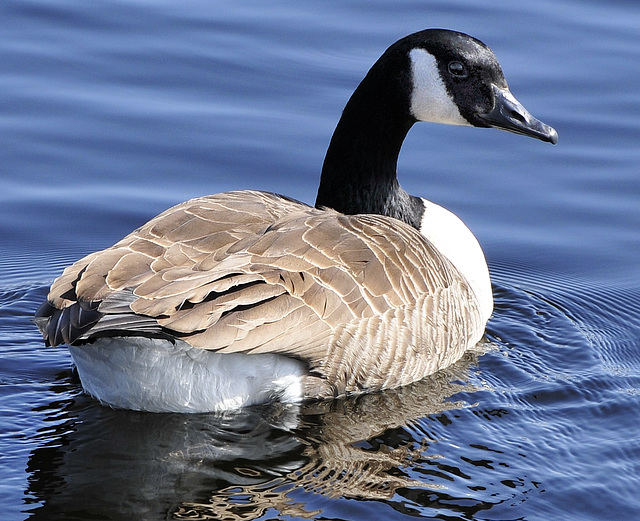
[(430, 100)]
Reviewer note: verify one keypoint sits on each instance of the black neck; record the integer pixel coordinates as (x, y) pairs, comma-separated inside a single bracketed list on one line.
[(359, 171)]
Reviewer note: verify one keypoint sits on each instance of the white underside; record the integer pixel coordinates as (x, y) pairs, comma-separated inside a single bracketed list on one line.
[(159, 376)]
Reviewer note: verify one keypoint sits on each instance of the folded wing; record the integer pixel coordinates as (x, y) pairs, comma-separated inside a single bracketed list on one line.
[(365, 300)]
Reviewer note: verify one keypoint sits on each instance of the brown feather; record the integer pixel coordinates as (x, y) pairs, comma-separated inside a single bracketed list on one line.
[(365, 300)]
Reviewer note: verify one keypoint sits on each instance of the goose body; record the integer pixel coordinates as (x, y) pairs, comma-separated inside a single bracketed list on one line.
[(245, 297)]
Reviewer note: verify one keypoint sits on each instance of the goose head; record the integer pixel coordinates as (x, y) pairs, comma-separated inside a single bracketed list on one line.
[(435, 75), (457, 80)]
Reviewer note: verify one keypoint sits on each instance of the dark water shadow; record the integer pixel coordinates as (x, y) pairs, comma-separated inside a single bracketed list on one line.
[(96, 463), (474, 442)]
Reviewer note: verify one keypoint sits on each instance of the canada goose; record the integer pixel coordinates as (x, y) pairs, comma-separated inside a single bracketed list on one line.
[(245, 297)]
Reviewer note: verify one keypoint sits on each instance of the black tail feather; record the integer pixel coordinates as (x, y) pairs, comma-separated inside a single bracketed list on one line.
[(67, 325)]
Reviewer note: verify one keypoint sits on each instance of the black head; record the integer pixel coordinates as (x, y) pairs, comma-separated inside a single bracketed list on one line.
[(456, 79), (434, 75)]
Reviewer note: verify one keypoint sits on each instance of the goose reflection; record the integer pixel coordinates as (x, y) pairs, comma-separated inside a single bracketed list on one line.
[(101, 463)]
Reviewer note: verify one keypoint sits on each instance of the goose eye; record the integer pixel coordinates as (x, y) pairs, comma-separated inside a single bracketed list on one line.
[(457, 69)]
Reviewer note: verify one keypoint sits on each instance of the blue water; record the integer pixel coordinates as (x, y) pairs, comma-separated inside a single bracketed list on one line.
[(111, 112)]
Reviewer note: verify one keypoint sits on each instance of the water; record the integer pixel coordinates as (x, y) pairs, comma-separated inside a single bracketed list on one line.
[(112, 112)]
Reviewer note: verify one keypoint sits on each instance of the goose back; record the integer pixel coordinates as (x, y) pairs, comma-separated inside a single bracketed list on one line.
[(364, 301)]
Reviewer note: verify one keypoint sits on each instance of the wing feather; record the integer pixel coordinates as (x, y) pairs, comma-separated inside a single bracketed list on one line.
[(364, 300)]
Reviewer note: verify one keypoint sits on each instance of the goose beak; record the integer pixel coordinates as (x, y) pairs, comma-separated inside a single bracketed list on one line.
[(510, 115)]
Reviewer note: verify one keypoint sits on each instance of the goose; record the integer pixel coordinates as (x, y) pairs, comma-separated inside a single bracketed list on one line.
[(247, 297)]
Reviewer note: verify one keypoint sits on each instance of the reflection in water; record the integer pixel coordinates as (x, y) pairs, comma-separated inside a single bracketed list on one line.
[(99, 463), (544, 401)]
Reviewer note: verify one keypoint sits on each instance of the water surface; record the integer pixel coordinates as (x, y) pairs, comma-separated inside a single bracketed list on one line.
[(112, 112)]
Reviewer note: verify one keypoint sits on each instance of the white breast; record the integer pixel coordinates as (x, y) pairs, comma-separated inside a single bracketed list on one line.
[(454, 240)]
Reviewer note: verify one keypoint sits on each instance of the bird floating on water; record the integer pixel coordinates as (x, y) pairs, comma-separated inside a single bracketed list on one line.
[(246, 297)]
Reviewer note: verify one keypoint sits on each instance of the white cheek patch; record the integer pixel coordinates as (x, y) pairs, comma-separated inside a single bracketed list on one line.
[(430, 100)]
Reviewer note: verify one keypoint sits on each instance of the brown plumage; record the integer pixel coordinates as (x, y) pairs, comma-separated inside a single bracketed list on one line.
[(253, 272)]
